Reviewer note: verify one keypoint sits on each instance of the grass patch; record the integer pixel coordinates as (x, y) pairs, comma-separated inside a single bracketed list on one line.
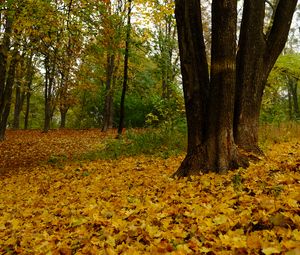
[(278, 133), (162, 142)]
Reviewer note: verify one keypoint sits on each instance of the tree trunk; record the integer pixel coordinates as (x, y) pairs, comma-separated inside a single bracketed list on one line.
[(63, 117), (222, 151), (48, 94), (5, 89), (212, 146), (125, 78), (109, 103), (294, 94), (26, 117), (194, 69), (230, 102), (18, 108), (257, 54), (29, 78), (19, 97), (8, 94)]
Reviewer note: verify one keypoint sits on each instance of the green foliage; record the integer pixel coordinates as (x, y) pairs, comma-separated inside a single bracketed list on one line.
[(166, 112), (276, 106), (162, 142)]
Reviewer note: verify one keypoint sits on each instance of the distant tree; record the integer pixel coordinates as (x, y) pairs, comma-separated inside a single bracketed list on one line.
[(284, 80), (125, 77), (223, 105)]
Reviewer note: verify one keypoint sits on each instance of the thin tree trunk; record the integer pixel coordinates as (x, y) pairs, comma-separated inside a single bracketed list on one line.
[(29, 78), (63, 116), (294, 92), (108, 104), (26, 117), (49, 83), (19, 97), (125, 79), (18, 107)]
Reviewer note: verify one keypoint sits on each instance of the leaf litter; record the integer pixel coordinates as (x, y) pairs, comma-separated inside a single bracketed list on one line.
[(132, 206)]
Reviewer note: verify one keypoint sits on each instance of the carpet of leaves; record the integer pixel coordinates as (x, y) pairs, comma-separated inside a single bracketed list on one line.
[(25, 148), (131, 206)]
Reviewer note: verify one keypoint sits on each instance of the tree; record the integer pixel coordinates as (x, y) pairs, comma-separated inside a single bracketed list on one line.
[(8, 62), (112, 22), (222, 106), (256, 56), (282, 89), (125, 78)]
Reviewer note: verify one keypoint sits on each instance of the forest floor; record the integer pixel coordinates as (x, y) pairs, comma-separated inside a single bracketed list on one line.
[(51, 202)]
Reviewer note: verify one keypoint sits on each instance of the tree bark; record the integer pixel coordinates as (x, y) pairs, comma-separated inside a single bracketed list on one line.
[(293, 98), (125, 78), (29, 78), (257, 54), (225, 109), (109, 103), (194, 69), (19, 96), (222, 151), (8, 94), (50, 68), (6, 80), (26, 117)]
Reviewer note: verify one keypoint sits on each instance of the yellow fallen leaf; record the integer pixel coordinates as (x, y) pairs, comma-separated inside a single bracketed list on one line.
[(271, 250)]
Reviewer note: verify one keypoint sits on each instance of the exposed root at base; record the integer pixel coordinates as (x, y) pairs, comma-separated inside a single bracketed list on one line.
[(197, 164)]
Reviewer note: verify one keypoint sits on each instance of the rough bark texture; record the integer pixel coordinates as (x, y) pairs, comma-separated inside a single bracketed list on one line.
[(209, 106), (225, 109), (257, 54), (194, 70), (222, 151)]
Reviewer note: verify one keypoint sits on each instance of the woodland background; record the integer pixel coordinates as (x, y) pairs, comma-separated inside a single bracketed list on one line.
[(69, 65)]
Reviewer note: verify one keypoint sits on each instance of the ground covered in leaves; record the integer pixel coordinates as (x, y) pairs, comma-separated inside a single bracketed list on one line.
[(131, 206), (23, 148)]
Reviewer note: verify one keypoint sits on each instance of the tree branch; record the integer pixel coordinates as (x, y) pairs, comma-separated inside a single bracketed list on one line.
[(277, 37)]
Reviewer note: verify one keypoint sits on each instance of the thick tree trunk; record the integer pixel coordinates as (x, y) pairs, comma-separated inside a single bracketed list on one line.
[(222, 151), (211, 145), (256, 56)]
